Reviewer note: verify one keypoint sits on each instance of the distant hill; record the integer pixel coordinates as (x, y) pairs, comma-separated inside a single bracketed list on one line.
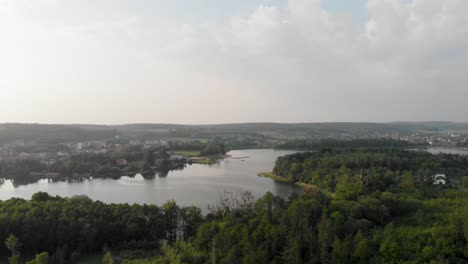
[(51, 133), (81, 132)]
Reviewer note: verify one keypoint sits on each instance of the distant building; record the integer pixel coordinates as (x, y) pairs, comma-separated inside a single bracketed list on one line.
[(135, 142), (24, 155), (122, 162), (19, 143), (61, 154), (439, 179), (102, 151), (93, 145), (79, 146), (152, 144), (177, 157)]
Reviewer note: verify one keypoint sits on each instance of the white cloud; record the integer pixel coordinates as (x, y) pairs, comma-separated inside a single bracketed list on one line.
[(292, 63)]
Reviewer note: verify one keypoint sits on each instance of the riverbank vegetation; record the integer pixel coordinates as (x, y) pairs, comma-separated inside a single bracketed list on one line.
[(359, 206), (377, 168), (112, 162), (273, 176), (308, 144), (353, 227)]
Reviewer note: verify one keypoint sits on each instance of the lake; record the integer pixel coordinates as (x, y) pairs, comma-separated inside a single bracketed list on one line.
[(436, 150), (197, 184)]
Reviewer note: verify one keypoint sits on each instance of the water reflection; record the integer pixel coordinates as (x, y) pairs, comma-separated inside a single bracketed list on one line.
[(443, 150), (17, 182), (196, 184), (460, 151)]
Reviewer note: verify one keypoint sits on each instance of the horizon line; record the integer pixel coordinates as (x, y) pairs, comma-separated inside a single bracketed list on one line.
[(232, 123)]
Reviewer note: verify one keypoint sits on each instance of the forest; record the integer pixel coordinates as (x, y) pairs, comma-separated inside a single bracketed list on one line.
[(304, 144), (68, 228), (379, 169), (359, 206)]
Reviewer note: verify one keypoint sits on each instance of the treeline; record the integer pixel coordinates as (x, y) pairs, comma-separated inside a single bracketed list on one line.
[(19, 168), (103, 165), (305, 144), (214, 148), (98, 165), (194, 145), (68, 228), (377, 169), (347, 227)]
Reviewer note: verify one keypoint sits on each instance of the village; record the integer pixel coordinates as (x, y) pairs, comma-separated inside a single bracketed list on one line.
[(448, 139), (30, 161)]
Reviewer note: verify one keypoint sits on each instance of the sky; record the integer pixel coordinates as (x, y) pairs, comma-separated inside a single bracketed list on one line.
[(211, 61)]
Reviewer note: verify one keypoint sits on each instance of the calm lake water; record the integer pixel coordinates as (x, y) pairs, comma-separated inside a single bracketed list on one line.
[(461, 151), (198, 185)]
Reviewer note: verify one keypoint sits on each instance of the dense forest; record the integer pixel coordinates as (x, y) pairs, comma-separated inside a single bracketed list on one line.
[(359, 206), (304, 144), (67, 228), (378, 227), (377, 168)]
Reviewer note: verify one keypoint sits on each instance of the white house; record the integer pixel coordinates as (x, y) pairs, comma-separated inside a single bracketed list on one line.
[(122, 162), (439, 179)]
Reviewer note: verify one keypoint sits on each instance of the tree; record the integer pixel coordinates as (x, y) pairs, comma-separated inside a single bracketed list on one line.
[(296, 168), (465, 182), (337, 252), (407, 182), (465, 221), (107, 258), (230, 203), (42, 258), (362, 248), (171, 217), (148, 157), (169, 255), (292, 251), (325, 239), (213, 148), (348, 189), (14, 259), (191, 218), (13, 244)]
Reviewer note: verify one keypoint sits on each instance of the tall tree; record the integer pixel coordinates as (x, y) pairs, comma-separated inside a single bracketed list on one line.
[(14, 245)]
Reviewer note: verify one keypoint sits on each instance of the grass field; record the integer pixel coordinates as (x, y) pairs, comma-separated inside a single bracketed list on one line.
[(189, 139), (273, 176), (187, 153)]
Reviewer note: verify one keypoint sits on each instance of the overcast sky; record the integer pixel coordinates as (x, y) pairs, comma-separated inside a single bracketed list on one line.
[(212, 61)]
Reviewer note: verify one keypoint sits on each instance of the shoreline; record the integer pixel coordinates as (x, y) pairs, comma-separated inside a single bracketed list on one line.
[(273, 176)]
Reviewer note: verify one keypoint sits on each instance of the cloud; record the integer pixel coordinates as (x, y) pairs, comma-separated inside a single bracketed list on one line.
[(291, 63), (409, 54)]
